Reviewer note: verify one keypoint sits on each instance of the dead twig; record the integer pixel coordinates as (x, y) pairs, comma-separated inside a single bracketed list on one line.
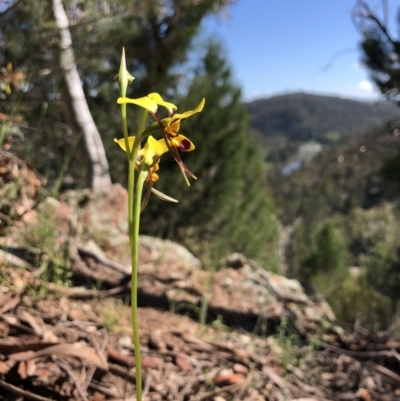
[(100, 351), (105, 261), (22, 393), (65, 367), (232, 388), (191, 381), (365, 354), (8, 258), (388, 372)]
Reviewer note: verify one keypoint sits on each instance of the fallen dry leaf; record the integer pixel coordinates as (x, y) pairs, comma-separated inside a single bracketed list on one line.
[(26, 369), (6, 366), (11, 345), (28, 318), (76, 350), (9, 302), (184, 363), (228, 378)]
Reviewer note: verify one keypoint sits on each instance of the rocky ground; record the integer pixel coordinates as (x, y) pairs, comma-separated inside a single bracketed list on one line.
[(65, 318)]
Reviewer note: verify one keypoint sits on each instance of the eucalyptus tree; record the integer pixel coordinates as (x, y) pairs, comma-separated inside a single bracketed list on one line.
[(156, 34)]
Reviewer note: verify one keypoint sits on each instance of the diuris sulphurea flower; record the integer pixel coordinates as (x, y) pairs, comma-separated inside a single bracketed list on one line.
[(169, 126), (176, 141), (149, 155)]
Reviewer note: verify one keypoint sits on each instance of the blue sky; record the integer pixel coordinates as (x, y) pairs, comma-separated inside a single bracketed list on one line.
[(278, 46)]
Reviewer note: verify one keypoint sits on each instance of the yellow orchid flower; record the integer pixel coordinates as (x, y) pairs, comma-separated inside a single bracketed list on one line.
[(169, 125), (150, 154), (172, 125), (175, 141), (152, 151)]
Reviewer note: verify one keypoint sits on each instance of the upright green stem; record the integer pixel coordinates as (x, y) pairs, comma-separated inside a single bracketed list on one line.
[(134, 220), (134, 204)]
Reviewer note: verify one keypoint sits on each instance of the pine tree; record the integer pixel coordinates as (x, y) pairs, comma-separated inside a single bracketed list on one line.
[(228, 208), (381, 51), (326, 263)]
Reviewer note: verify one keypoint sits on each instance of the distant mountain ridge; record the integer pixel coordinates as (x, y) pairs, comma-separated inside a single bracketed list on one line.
[(301, 117)]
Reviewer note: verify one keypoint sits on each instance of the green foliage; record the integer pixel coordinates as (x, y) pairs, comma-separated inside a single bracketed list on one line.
[(367, 229), (383, 271), (380, 50), (390, 170), (156, 35), (370, 239), (356, 298), (339, 178), (288, 340), (112, 311), (157, 41), (333, 136), (52, 252), (326, 263), (228, 208)]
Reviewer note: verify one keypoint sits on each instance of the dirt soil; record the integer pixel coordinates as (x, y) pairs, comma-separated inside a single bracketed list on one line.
[(264, 338), (60, 348)]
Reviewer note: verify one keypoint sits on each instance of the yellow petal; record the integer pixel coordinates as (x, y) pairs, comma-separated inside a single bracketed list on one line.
[(171, 127), (159, 100), (144, 102), (121, 142), (152, 151), (158, 147), (182, 143), (187, 114)]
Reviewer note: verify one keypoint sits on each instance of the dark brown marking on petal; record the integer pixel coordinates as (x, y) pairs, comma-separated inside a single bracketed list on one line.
[(184, 145), (139, 159)]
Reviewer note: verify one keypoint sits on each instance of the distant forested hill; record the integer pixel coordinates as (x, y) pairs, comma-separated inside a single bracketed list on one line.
[(302, 117), (361, 173), (341, 207)]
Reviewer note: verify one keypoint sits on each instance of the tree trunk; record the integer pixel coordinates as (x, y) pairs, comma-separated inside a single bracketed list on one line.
[(79, 116)]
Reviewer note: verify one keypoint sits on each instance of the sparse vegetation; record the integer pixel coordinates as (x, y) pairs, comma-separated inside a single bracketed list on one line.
[(50, 250), (112, 311)]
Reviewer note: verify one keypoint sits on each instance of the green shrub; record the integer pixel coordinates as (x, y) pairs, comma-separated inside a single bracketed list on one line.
[(42, 236), (356, 298), (327, 256)]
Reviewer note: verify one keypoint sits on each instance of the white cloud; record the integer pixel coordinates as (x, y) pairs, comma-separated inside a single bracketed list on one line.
[(366, 86)]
